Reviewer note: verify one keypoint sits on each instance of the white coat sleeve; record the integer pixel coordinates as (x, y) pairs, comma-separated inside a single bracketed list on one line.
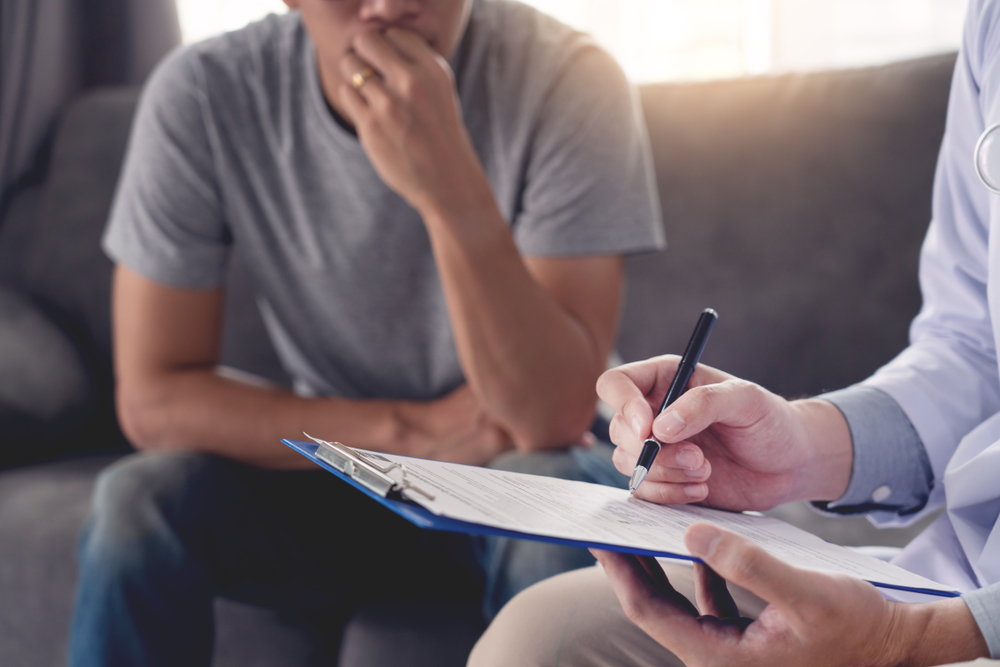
[(946, 381)]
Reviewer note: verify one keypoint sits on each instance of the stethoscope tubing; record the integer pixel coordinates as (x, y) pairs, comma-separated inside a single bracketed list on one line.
[(977, 155)]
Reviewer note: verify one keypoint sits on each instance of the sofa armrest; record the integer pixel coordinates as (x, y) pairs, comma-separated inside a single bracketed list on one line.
[(45, 388)]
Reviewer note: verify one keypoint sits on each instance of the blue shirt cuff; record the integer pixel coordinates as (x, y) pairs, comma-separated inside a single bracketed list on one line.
[(985, 607), (891, 470)]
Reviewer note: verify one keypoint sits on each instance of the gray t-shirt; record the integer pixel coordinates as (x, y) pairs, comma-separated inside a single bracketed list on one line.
[(234, 146)]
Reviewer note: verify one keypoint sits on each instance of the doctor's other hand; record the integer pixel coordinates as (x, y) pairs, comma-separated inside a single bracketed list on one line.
[(728, 443), (811, 618)]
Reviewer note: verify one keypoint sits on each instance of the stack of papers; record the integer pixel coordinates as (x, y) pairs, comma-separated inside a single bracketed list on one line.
[(485, 501)]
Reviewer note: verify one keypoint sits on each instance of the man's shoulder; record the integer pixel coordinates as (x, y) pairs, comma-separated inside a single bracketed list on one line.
[(263, 51), (518, 22), (518, 31), (528, 49)]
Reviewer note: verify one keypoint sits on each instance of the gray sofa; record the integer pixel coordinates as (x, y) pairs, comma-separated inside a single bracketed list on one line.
[(794, 205)]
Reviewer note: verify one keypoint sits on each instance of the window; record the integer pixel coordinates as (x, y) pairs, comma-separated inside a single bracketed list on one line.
[(204, 18), (658, 40)]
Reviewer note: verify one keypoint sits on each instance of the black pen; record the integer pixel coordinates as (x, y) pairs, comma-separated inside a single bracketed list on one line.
[(692, 355)]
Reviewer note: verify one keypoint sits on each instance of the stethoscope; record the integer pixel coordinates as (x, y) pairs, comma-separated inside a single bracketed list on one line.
[(987, 158)]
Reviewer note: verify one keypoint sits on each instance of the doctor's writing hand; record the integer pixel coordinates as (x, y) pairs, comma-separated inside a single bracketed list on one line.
[(815, 619), (409, 121), (728, 443)]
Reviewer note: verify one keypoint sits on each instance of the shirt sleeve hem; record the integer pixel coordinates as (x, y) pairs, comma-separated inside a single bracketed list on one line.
[(891, 471), (195, 280), (985, 607)]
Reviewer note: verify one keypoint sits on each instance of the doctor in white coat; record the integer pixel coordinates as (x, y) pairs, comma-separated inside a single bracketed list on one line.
[(922, 433)]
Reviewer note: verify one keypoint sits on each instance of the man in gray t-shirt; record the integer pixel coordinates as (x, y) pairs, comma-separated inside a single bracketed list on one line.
[(433, 199)]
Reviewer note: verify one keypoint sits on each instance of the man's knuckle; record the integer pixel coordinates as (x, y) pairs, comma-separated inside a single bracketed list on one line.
[(618, 430), (667, 494), (633, 408), (408, 86), (367, 125), (757, 392), (400, 116), (619, 457), (443, 76), (699, 400), (757, 395), (385, 105), (606, 382)]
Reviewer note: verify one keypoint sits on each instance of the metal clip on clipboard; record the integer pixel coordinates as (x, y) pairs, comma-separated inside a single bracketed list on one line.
[(364, 471)]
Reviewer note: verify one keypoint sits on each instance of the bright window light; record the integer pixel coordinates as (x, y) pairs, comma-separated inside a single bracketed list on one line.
[(205, 18), (659, 40)]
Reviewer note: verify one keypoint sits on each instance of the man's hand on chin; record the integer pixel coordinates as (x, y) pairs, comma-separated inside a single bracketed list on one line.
[(406, 110)]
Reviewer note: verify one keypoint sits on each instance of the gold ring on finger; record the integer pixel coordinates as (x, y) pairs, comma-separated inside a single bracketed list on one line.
[(361, 77)]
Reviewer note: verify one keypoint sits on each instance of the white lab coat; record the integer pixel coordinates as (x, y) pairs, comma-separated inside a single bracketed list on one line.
[(948, 380)]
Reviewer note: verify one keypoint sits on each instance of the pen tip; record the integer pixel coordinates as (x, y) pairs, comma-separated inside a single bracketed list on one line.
[(638, 475)]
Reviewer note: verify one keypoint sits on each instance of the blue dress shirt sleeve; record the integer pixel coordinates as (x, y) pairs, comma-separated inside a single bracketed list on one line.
[(891, 472)]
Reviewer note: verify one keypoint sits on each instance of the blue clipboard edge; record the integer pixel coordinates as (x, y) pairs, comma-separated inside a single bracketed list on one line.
[(424, 518)]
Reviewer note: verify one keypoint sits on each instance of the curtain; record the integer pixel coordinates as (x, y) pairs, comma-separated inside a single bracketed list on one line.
[(51, 50)]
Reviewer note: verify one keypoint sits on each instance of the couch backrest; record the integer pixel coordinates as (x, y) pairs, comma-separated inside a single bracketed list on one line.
[(56, 258), (796, 206)]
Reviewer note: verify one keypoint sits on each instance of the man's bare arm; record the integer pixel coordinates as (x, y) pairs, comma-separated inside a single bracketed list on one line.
[(169, 395), (535, 353), (533, 335)]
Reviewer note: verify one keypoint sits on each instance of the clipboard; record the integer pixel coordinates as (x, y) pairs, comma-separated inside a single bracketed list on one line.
[(388, 485), (376, 482)]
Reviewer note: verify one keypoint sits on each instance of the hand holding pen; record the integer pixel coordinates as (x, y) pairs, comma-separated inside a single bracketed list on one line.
[(725, 442), (692, 355)]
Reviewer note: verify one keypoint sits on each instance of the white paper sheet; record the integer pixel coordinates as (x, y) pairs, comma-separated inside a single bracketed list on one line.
[(599, 514)]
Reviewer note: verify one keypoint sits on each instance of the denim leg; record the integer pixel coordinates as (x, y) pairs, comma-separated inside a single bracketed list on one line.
[(512, 565), (171, 530), (142, 599)]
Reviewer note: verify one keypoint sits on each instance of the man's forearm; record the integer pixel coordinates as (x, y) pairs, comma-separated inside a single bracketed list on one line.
[(532, 363), (202, 411), (530, 352)]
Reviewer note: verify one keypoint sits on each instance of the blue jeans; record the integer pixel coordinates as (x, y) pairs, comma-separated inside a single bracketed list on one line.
[(169, 531)]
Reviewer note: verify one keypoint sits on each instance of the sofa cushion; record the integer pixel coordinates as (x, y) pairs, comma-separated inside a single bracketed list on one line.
[(423, 634), (44, 385), (64, 264), (42, 508)]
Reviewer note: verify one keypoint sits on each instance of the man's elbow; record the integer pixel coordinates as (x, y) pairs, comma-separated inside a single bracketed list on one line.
[(139, 421), (553, 431)]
